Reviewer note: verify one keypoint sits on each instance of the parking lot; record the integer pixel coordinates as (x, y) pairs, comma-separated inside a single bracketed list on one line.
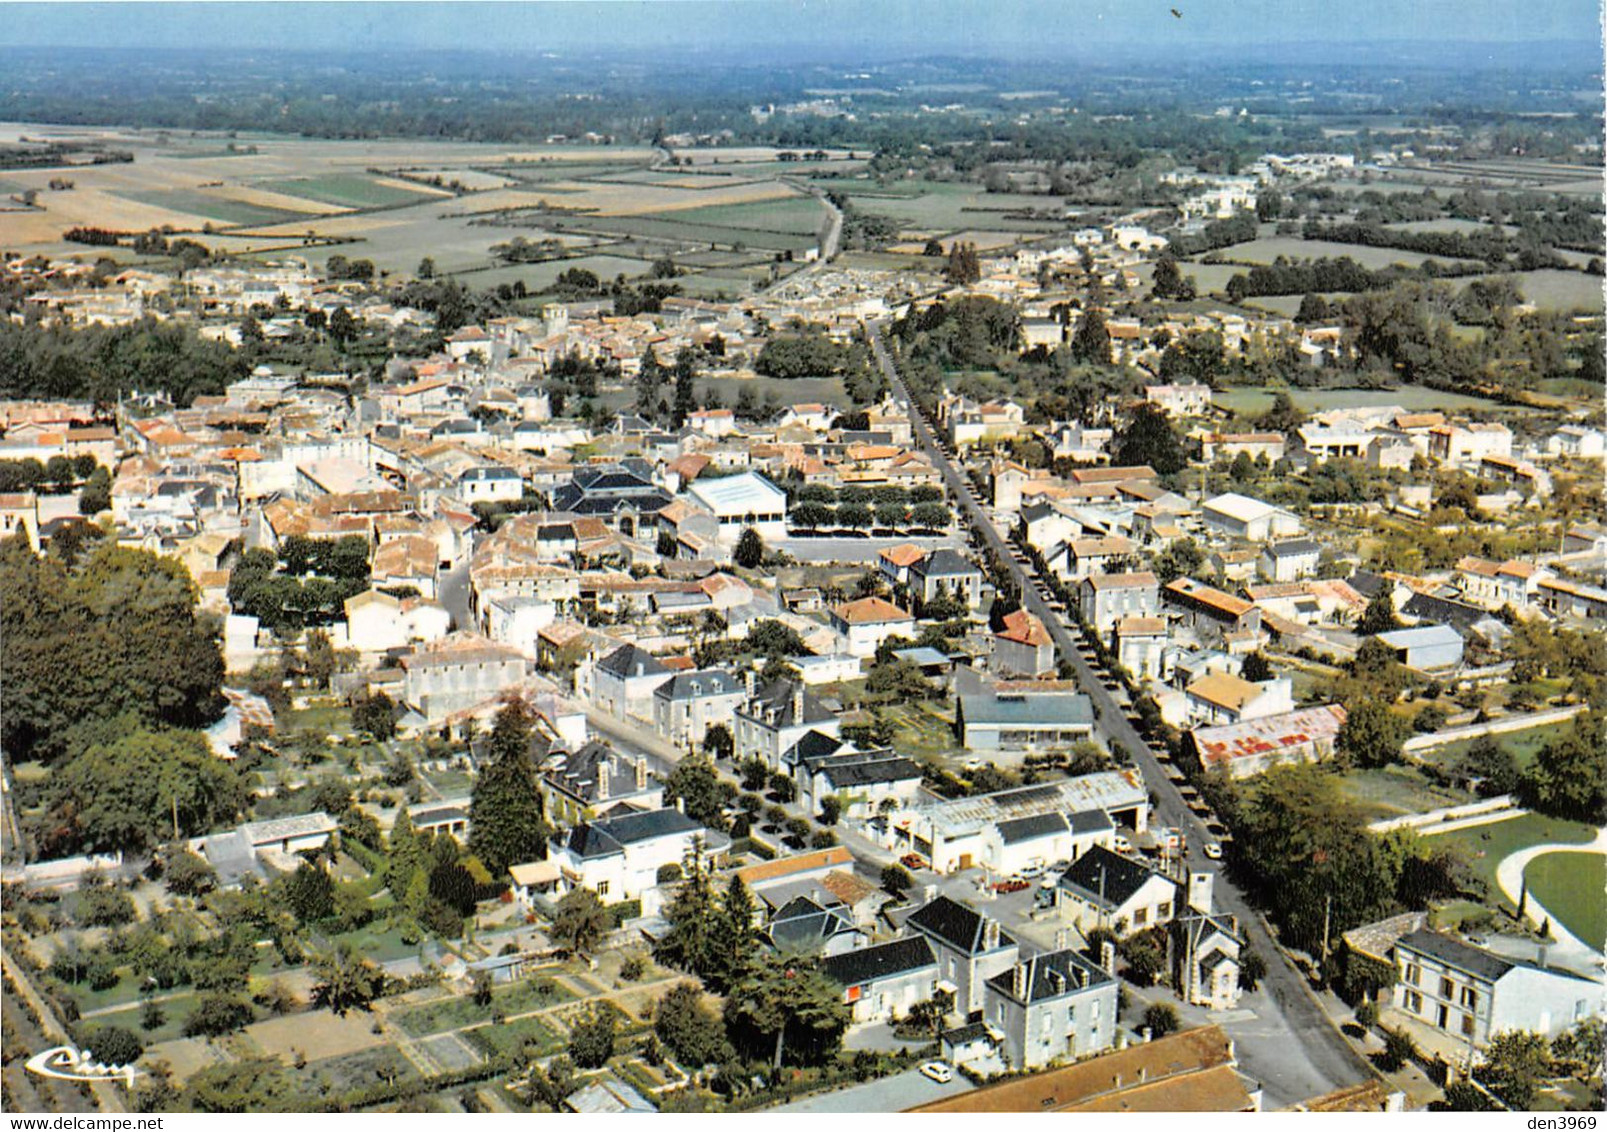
[(890, 1094)]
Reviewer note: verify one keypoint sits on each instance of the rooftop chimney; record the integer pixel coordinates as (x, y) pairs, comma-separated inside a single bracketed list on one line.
[(797, 702), (750, 680), (990, 934), (602, 781), (641, 772), (1107, 956), (1018, 981)]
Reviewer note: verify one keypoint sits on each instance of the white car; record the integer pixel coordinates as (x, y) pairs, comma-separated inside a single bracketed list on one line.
[(1032, 872), (938, 1071), (1212, 850)]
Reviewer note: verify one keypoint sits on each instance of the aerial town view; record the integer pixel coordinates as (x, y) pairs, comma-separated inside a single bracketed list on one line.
[(765, 557)]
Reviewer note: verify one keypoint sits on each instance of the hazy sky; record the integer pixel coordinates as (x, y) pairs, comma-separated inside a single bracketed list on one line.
[(845, 27)]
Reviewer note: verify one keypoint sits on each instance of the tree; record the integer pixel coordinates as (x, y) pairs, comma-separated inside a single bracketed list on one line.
[(113, 1045), (1282, 416), (783, 787), (1379, 616), (1569, 775), (342, 327), (896, 879), (1495, 766), (404, 854), (1399, 1048), (718, 743), (187, 874), (691, 1031), (930, 1013), (1257, 668), (692, 941), (1313, 308), (1149, 439), (1463, 1096), (831, 810), (749, 553), (1183, 558), (96, 495), (580, 922), (118, 632), (1161, 1018), (426, 268), (1252, 969), (376, 714), (1371, 736), (698, 787), (736, 935), (1091, 343), (506, 822), (131, 792), (309, 893), (591, 1042), (1170, 282), (346, 980), (217, 1014), (779, 995)]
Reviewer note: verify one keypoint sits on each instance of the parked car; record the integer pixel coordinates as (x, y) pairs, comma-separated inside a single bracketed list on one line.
[(912, 861), (1012, 885), (1032, 872), (938, 1071), (1212, 850)]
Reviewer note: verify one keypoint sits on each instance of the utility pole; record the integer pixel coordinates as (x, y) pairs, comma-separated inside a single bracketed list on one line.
[(175, 816), (1327, 912)]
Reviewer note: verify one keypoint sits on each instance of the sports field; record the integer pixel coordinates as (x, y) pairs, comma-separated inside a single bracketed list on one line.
[(1573, 887)]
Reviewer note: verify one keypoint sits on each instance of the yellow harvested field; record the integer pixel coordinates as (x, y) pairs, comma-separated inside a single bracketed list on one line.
[(412, 186), (267, 198), (636, 200), (90, 207)]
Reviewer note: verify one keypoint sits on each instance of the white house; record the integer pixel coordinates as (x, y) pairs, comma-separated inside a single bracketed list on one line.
[(864, 624), (623, 682), (618, 858)]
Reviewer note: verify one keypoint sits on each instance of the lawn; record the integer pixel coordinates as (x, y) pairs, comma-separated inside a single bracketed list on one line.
[(1523, 745), (349, 191), (795, 215), (509, 1038), (456, 1012), (378, 944), (1487, 845), (1393, 791), (360, 1070), (199, 203), (1246, 399), (174, 1014), (1570, 885), (1562, 290), (1293, 247)]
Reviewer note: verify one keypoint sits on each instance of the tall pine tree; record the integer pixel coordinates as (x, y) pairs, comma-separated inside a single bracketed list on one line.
[(506, 822)]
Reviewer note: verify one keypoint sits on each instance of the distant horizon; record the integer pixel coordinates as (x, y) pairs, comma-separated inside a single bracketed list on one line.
[(1375, 32)]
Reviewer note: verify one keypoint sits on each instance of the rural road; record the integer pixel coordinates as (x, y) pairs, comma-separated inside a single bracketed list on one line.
[(1307, 1034)]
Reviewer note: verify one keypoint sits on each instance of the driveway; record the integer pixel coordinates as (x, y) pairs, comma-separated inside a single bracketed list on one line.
[(890, 1094)]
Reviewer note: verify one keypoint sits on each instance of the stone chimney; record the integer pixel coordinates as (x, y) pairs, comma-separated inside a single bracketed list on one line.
[(602, 781), (990, 934), (1107, 956), (1018, 981), (751, 680), (641, 772), (797, 702)]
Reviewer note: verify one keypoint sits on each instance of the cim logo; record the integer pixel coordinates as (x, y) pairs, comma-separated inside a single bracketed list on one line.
[(68, 1064)]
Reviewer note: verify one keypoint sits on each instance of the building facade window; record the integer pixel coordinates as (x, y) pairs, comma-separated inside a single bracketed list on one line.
[(1414, 1002)]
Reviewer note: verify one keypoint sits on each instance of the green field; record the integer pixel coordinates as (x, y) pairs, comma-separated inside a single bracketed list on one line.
[(1293, 247), (1411, 398), (1394, 791), (939, 206), (1572, 886), (348, 191), (175, 1012), (1487, 845), (540, 276), (1523, 745), (1562, 290), (796, 215), (199, 203)]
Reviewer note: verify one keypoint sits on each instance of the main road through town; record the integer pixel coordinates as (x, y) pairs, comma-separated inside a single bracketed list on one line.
[(1311, 1051)]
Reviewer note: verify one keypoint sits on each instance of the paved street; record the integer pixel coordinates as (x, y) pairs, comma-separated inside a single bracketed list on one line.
[(861, 551), (1312, 1040), (890, 1094)]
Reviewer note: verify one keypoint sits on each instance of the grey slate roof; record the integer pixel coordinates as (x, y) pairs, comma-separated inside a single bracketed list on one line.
[(954, 924), (628, 660), (1106, 879), (1455, 953), (1031, 709), (889, 960), (1026, 829), (703, 682), (1053, 975), (606, 837)]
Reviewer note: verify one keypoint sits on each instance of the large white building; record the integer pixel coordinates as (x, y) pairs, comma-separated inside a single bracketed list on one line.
[(742, 501), (618, 858)]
